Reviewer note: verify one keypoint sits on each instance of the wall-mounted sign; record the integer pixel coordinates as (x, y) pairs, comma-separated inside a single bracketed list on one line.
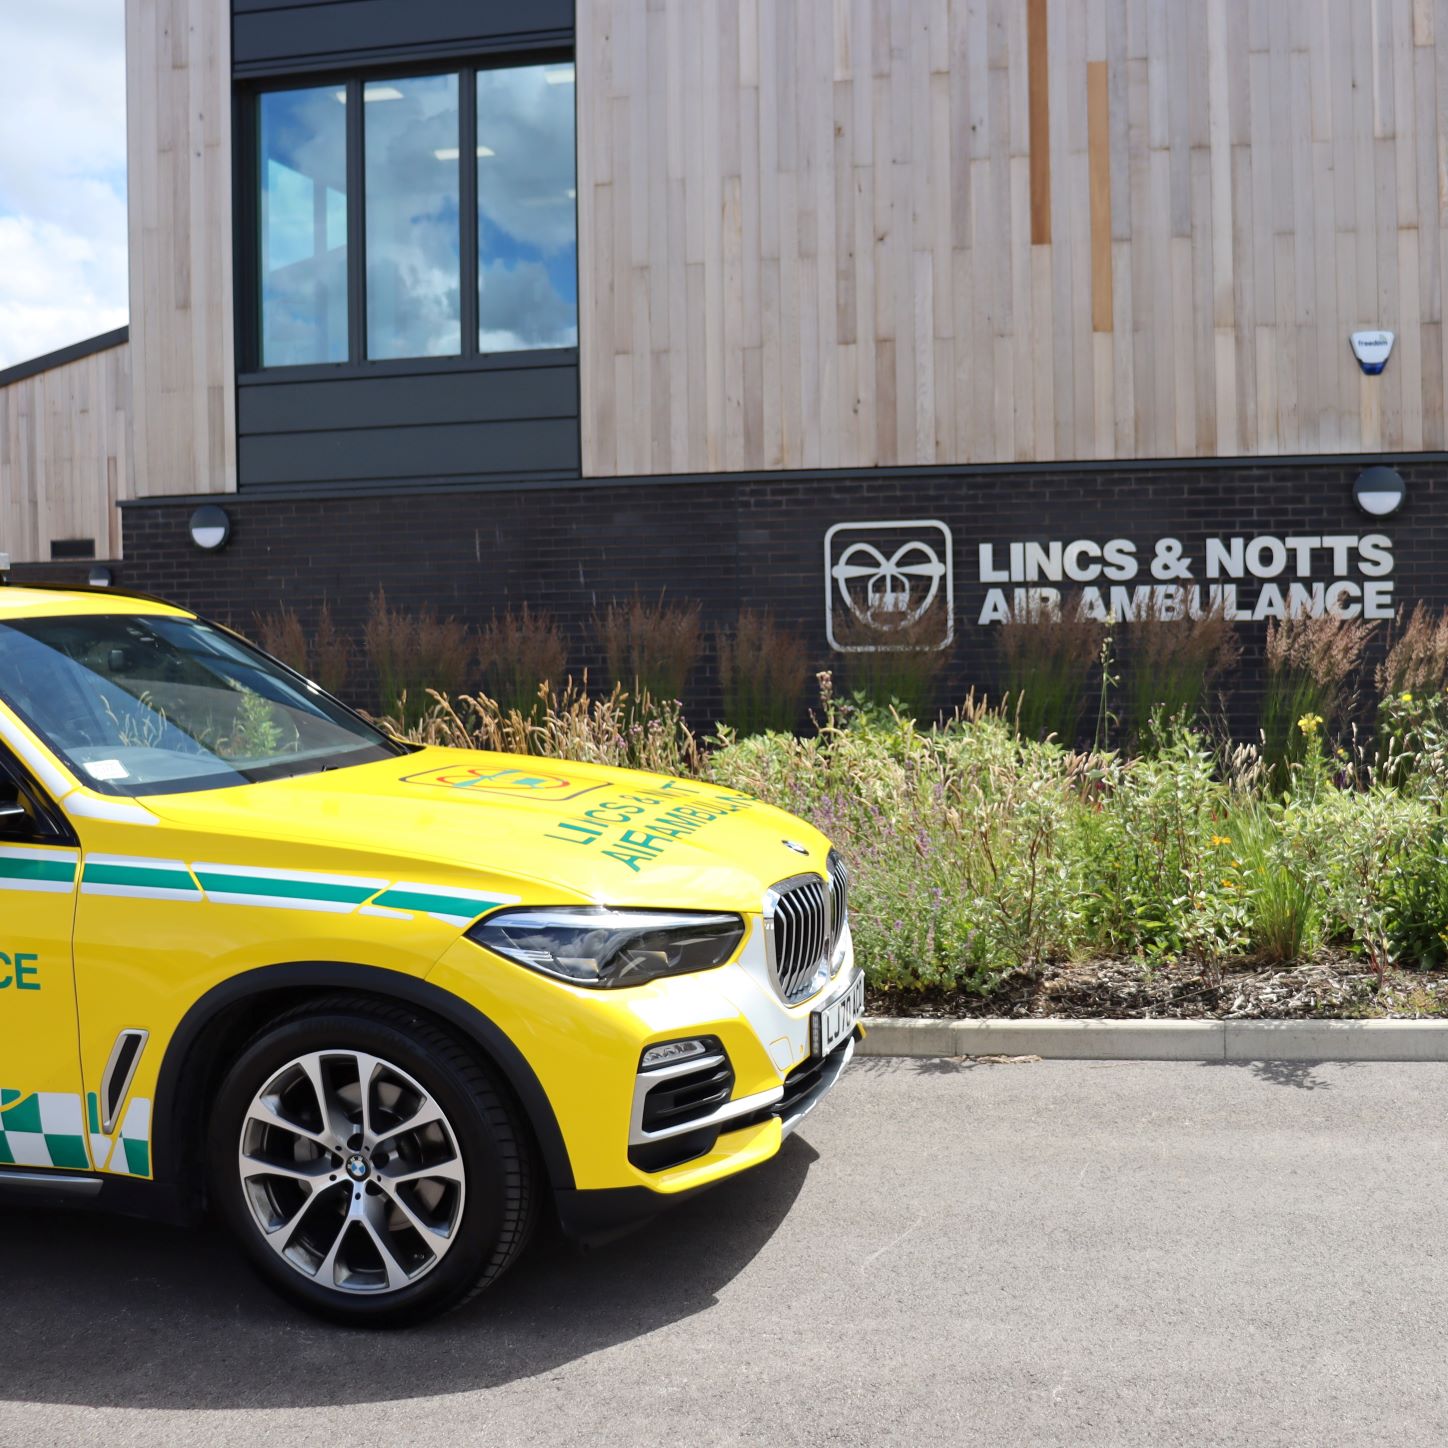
[(886, 581), (889, 586), (1245, 578), (1372, 349), (1379, 491)]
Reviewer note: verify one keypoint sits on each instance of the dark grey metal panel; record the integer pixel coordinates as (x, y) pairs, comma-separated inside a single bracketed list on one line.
[(441, 397), (239, 6), (410, 454), (265, 33)]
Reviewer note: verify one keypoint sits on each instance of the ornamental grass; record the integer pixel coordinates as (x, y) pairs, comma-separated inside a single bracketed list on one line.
[(521, 654), (763, 675)]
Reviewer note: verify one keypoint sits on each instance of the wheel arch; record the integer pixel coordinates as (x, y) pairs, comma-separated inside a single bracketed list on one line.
[(203, 1045)]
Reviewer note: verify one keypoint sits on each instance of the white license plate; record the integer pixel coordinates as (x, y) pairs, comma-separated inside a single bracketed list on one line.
[(829, 1025)]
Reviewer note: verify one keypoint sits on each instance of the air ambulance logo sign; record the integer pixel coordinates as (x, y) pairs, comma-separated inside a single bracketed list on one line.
[(889, 586)]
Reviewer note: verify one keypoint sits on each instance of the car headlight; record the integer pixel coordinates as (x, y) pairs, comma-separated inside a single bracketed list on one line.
[(610, 948)]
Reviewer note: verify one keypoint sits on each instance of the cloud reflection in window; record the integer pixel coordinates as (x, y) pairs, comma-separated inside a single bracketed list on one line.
[(527, 226), (303, 228), (412, 207)]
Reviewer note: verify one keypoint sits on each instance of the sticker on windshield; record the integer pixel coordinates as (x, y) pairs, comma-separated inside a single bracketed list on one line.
[(106, 769)]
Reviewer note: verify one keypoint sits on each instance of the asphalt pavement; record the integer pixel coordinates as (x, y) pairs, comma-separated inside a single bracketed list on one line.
[(1037, 1253)]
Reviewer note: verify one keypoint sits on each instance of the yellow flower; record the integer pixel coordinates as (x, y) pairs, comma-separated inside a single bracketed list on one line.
[(1406, 697), (1221, 840), (1229, 885), (1310, 724)]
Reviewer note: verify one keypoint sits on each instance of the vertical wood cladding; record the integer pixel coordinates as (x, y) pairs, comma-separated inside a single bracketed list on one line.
[(65, 455), (178, 147), (829, 233), (1098, 145), (1038, 99)]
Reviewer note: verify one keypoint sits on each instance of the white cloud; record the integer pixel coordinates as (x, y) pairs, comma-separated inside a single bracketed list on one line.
[(62, 174)]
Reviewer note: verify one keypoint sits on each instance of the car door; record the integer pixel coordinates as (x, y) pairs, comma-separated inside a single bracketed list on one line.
[(42, 1122)]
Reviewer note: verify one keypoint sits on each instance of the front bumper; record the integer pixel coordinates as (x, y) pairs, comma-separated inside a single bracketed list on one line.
[(591, 1218), (585, 1047)]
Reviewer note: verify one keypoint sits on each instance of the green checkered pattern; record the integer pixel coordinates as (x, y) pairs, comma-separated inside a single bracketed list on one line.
[(42, 1128), (129, 1152)]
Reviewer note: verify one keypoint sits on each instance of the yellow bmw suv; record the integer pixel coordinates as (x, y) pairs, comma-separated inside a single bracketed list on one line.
[(377, 1005)]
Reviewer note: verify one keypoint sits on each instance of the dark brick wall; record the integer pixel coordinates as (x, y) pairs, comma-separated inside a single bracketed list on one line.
[(749, 540)]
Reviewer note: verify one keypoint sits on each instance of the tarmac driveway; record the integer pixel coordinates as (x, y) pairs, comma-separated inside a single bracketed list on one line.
[(1035, 1253)]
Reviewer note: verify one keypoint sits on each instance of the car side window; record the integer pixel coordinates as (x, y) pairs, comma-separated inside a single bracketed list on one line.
[(24, 814)]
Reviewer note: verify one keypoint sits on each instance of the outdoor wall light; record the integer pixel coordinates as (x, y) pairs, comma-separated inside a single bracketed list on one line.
[(1379, 491), (100, 576), (210, 527)]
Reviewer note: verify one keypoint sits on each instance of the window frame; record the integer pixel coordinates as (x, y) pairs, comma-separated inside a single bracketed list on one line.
[(49, 826), (247, 220)]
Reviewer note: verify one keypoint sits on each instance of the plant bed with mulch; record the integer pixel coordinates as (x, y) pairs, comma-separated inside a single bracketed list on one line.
[(1128, 989)]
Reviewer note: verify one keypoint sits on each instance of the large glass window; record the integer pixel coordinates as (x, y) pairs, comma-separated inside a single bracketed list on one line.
[(413, 217), (462, 198), (527, 235), (303, 226)]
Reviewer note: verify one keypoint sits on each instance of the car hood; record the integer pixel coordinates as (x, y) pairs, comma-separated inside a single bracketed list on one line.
[(538, 829)]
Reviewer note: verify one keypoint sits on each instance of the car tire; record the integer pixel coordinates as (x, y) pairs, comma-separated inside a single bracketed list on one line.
[(380, 1214)]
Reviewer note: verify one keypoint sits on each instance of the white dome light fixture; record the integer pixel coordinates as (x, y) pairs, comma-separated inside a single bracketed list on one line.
[(1379, 491), (210, 527)]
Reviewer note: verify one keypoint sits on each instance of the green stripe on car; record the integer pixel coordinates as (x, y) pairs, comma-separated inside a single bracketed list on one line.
[(452, 907), (216, 883), (163, 877), (57, 871), (249, 886)]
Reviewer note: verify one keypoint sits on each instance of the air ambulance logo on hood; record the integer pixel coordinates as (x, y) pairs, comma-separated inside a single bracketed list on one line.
[(546, 784)]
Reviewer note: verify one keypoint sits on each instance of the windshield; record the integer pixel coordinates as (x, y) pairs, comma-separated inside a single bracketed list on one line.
[(140, 705)]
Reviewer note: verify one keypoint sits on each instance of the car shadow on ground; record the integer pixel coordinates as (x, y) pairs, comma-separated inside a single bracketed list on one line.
[(105, 1312)]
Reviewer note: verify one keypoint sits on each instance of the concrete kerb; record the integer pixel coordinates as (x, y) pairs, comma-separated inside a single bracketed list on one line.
[(1145, 1040)]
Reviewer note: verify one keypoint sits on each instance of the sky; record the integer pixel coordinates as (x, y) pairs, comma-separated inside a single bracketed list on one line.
[(62, 173)]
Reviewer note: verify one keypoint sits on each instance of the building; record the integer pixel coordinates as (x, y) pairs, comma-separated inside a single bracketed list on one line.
[(841, 308)]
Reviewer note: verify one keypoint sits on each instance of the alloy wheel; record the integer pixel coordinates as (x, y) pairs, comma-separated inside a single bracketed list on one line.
[(352, 1172)]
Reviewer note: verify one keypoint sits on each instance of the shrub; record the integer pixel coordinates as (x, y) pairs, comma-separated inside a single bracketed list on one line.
[(1172, 663), (650, 648), (1416, 899), (1311, 662), (1281, 873), (763, 673), (1163, 881), (903, 676), (325, 654), (412, 653), (521, 657), (1047, 655), (954, 837), (1412, 685), (1377, 838)]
